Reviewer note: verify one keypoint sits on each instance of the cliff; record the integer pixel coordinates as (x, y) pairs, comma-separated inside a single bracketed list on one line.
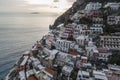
[(79, 5)]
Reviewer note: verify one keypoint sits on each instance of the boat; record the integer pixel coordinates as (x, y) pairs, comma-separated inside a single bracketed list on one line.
[(34, 12)]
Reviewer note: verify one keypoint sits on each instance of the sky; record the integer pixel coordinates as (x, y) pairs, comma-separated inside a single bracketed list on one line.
[(33, 5)]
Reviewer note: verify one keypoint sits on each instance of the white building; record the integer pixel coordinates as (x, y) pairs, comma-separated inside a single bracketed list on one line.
[(50, 40), (67, 31), (104, 53), (113, 20), (63, 58), (84, 59), (30, 72), (83, 75), (93, 6), (22, 75), (77, 30), (64, 45), (81, 40), (110, 41), (91, 49), (99, 75), (78, 15), (97, 28), (25, 59), (66, 70), (81, 29), (52, 54), (114, 69), (113, 6), (46, 74)]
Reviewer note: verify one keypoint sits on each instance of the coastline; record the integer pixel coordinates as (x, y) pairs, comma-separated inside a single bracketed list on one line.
[(54, 44)]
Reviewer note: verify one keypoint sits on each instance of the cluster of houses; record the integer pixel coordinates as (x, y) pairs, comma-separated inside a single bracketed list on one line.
[(74, 48)]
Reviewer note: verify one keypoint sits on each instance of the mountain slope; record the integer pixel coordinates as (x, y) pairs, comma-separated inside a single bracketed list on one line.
[(78, 5)]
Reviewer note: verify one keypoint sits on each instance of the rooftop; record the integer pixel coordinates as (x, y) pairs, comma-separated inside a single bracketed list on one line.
[(50, 71), (99, 75), (83, 57), (114, 67), (103, 50), (67, 68), (32, 78), (22, 74), (83, 73), (81, 37), (73, 53), (24, 61)]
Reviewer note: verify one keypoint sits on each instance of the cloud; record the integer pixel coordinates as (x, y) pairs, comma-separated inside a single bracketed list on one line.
[(24, 5), (43, 2)]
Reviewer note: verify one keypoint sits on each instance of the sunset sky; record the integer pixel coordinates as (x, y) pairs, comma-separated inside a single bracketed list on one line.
[(33, 5)]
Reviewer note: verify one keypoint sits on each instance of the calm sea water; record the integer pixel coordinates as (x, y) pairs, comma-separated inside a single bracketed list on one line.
[(18, 32)]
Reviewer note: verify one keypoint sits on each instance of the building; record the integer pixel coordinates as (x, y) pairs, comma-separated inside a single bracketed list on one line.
[(22, 75), (88, 67), (78, 15), (97, 20), (115, 72), (36, 63), (103, 53), (91, 49), (115, 69), (94, 13), (97, 28), (99, 75), (81, 29), (46, 74), (23, 63), (73, 53), (93, 6), (50, 72), (66, 70), (83, 75), (48, 59), (64, 45), (63, 59), (43, 57), (84, 59), (81, 40), (67, 31), (113, 20), (110, 41), (51, 58), (32, 78), (79, 49), (50, 40), (29, 73), (113, 6)]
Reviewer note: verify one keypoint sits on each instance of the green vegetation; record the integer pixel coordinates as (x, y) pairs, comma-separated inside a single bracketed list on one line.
[(74, 74), (115, 58)]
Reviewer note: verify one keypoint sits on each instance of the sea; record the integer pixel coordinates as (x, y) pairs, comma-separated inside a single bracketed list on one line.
[(18, 33)]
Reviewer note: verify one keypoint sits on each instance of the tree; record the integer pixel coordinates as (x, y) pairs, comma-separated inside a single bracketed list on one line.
[(115, 58)]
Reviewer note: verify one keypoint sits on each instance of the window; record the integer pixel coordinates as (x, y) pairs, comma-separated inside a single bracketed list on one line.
[(104, 56)]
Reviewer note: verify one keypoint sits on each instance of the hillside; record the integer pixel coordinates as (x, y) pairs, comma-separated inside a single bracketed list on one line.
[(78, 5)]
